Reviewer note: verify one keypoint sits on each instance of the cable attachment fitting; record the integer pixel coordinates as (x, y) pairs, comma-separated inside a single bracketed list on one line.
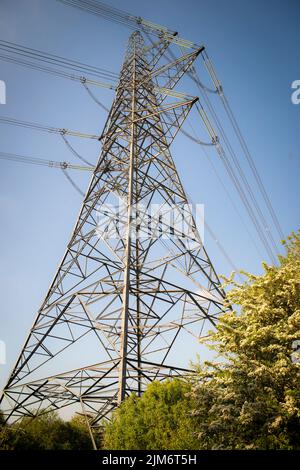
[(219, 89)]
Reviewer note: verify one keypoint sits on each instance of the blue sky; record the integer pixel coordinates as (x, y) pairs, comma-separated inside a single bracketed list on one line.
[(255, 49)]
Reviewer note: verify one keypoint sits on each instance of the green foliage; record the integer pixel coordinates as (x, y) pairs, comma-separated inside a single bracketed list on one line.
[(252, 399), (160, 419), (45, 432)]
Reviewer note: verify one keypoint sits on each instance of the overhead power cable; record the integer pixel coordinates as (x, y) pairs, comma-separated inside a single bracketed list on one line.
[(64, 166), (13, 157), (72, 182), (94, 97), (102, 10), (43, 128), (111, 13), (242, 142), (17, 50), (195, 139), (192, 73), (71, 148), (56, 72), (266, 234), (253, 168), (108, 12), (225, 188), (236, 179), (62, 72), (241, 178), (198, 141)]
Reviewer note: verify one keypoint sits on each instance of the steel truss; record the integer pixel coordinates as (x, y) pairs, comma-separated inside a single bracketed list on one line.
[(136, 293)]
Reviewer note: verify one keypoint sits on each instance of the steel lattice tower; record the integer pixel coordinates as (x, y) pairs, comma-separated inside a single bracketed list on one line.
[(136, 293)]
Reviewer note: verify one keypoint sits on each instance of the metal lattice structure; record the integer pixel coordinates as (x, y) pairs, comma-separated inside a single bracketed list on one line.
[(135, 291)]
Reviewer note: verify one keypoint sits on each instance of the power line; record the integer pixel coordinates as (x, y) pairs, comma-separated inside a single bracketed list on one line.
[(64, 166), (113, 14), (56, 72), (102, 10), (242, 142), (118, 15), (239, 180), (43, 128), (13, 157), (91, 94), (71, 148), (203, 90), (17, 50), (72, 182), (235, 179), (253, 168), (196, 140), (110, 13), (210, 161)]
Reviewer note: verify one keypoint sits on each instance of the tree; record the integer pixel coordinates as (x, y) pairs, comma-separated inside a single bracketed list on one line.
[(78, 424), (45, 432), (251, 399), (5, 435), (160, 419)]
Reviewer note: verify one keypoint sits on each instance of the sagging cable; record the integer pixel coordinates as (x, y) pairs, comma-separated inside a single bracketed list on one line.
[(94, 97), (197, 141), (74, 151), (71, 181), (195, 77)]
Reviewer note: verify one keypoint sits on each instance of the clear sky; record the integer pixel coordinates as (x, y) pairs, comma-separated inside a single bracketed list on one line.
[(254, 46)]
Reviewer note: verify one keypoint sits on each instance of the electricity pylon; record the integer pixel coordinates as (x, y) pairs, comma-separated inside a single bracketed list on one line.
[(129, 275)]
